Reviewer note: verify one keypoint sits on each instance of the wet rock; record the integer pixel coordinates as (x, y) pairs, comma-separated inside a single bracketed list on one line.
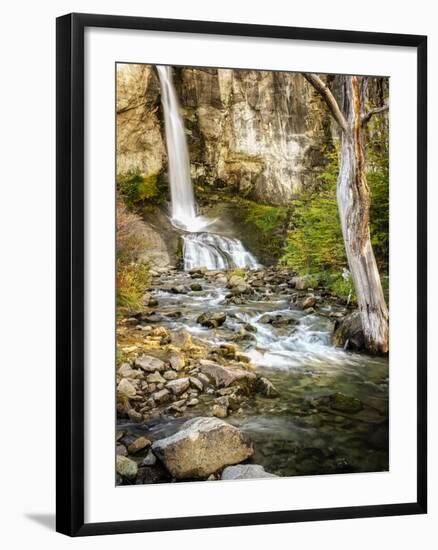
[(121, 450), (196, 287), (178, 386), (219, 411), (162, 396), (152, 302), (149, 460), (339, 402), (177, 289), (277, 320), (348, 333), (266, 387), (222, 376), (211, 320), (126, 467), (155, 378), (309, 302), (245, 471), (249, 327), (150, 364), (201, 447), (135, 416), (126, 389)]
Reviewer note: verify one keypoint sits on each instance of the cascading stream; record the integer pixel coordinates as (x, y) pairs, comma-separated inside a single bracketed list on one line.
[(201, 248)]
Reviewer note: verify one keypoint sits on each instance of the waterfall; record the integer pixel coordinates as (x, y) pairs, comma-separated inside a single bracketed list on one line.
[(201, 248)]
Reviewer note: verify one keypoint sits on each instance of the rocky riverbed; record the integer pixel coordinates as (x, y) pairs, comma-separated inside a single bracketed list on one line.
[(231, 375)]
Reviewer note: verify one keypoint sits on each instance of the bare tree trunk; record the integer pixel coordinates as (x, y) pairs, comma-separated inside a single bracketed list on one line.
[(354, 206), (353, 197)]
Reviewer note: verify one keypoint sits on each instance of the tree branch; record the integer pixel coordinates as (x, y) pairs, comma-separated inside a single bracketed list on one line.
[(376, 111), (328, 97)]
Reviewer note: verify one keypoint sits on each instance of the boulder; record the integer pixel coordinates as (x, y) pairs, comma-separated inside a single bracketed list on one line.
[(150, 364), (211, 320), (201, 447), (178, 386), (149, 460), (245, 471), (348, 333), (126, 467), (223, 377), (196, 383), (170, 375)]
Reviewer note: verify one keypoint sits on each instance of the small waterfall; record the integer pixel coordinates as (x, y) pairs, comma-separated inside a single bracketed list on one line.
[(215, 252), (201, 248)]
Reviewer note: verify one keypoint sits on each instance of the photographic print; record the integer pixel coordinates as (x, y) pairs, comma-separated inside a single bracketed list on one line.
[(252, 274)]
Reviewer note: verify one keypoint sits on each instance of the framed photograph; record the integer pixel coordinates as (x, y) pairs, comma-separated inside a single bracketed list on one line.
[(241, 274)]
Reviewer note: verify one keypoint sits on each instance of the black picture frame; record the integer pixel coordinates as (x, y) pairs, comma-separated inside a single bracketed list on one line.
[(70, 273)]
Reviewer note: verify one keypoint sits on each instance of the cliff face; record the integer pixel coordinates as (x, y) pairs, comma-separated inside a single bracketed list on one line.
[(259, 132)]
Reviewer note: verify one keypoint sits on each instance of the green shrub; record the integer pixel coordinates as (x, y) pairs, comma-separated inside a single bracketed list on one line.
[(264, 227), (132, 281), (136, 188)]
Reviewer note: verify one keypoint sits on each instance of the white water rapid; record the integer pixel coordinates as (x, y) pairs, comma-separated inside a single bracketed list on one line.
[(201, 247)]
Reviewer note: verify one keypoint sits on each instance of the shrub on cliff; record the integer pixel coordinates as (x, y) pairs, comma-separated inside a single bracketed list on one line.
[(132, 275)]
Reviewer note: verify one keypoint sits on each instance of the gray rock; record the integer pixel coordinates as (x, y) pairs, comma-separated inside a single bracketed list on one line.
[(149, 460), (222, 376), (126, 388), (121, 450), (246, 471), (193, 402), (201, 447), (135, 416), (196, 383), (150, 364), (348, 332), (178, 386), (155, 378), (177, 361), (170, 375), (211, 320), (126, 467), (162, 396)]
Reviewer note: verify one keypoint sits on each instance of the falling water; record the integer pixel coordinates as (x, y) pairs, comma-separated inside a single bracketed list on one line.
[(201, 248)]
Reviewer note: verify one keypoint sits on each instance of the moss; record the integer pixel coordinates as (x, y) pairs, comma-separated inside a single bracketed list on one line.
[(137, 189)]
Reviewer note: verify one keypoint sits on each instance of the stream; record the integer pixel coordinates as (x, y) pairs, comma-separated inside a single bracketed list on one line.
[(298, 432)]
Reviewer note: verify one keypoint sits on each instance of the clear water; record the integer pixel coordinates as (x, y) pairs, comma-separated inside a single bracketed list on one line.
[(292, 436)]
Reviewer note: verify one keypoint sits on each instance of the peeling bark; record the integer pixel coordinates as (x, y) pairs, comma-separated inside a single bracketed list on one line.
[(353, 197)]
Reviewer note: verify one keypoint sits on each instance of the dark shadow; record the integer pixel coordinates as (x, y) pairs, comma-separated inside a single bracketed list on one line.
[(46, 520)]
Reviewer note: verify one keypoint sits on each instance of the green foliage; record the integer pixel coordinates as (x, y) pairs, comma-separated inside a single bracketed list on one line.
[(265, 227), (343, 287), (378, 181), (132, 281), (137, 189), (132, 274), (315, 243), (238, 271)]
